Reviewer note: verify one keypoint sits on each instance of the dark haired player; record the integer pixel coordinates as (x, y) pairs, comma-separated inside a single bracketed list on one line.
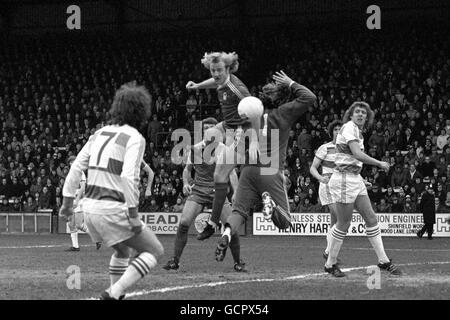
[(201, 194), (265, 180)]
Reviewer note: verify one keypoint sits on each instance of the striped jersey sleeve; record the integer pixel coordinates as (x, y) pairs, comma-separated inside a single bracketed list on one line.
[(76, 172), (350, 133), (237, 87), (144, 165), (345, 160), (321, 153), (131, 169)]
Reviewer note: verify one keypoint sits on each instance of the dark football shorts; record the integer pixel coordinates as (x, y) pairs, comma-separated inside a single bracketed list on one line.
[(202, 195), (252, 184)]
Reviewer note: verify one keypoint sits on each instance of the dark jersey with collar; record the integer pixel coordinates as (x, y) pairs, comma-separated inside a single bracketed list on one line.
[(280, 121), (230, 94), (204, 172)]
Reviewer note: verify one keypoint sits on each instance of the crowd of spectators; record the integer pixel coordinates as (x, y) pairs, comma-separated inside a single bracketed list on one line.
[(55, 91)]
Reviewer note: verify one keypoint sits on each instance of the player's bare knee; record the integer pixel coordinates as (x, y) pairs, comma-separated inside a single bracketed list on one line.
[(369, 216), (122, 251), (184, 223), (333, 220), (236, 218), (159, 250), (371, 221), (343, 226), (220, 175), (235, 236), (122, 255)]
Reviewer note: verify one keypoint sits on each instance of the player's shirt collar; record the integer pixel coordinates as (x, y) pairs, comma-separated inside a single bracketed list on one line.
[(225, 83)]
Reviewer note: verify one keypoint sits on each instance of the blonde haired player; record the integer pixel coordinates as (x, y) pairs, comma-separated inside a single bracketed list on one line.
[(325, 157), (113, 157), (348, 189), (231, 90)]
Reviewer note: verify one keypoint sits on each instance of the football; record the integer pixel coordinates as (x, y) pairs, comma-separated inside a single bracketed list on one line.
[(250, 107)]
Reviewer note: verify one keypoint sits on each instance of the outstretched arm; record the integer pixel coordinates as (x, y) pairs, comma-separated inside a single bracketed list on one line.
[(134, 153), (207, 84), (361, 156), (303, 97)]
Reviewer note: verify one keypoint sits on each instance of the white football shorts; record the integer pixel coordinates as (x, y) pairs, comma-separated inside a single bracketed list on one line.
[(111, 228), (325, 194), (76, 220), (345, 187)]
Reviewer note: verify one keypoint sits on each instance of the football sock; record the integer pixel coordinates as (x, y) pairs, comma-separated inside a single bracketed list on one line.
[(180, 241), (327, 250), (220, 195), (117, 267), (284, 218), (264, 131), (227, 233), (74, 237), (374, 235), (137, 269), (337, 238), (235, 248)]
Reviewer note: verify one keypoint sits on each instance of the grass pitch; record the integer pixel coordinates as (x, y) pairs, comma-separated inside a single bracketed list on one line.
[(279, 268)]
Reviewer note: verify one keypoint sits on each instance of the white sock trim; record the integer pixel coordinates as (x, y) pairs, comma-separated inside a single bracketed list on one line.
[(227, 233), (144, 262), (74, 238), (119, 262)]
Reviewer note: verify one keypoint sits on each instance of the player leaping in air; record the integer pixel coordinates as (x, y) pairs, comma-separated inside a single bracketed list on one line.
[(200, 195), (287, 100), (231, 91)]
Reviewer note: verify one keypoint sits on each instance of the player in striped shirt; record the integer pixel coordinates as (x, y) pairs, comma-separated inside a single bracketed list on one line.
[(325, 157), (76, 222), (348, 189), (231, 90), (113, 157)]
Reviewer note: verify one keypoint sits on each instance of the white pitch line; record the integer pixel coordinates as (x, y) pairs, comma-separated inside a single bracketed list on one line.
[(43, 246), (392, 249), (220, 283), (319, 247)]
